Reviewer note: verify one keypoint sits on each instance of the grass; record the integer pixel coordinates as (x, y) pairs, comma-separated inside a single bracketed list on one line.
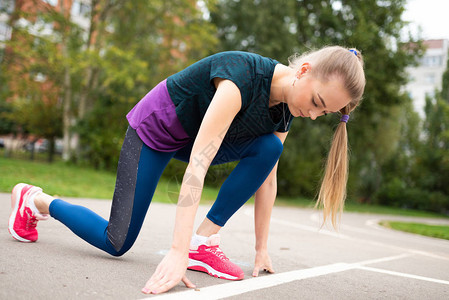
[(386, 210), (67, 180), (57, 178), (437, 231)]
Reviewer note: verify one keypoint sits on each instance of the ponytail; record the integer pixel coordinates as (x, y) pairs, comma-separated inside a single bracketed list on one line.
[(346, 64), (332, 193)]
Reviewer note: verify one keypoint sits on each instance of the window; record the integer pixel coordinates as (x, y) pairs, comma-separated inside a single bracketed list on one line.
[(5, 32), (39, 77), (84, 9), (432, 61), (75, 10), (52, 2), (43, 26), (430, 78), (7, 6), (80, 9)]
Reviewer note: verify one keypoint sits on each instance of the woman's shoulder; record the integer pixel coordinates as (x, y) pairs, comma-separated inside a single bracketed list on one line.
[(247, 62), (236, 55)]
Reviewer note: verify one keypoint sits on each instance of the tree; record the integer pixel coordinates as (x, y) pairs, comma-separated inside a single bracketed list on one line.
[(276, 29), (160, 38), (32, 71), (445, 83), (108, 68), (432, 167)]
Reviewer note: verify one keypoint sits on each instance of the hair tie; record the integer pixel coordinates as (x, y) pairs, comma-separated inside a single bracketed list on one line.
[(344, 118), (353, 51)]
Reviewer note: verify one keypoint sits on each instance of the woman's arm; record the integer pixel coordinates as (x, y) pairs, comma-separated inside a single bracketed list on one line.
[(219, 116), (264, 201)]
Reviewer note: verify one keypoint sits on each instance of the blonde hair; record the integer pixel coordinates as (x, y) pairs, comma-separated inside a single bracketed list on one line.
[(346, 65)]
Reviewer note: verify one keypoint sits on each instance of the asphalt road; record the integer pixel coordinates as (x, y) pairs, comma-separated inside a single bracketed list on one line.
[(362, 261)]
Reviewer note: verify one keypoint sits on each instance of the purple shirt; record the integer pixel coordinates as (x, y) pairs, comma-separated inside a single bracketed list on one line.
[(155, 121)]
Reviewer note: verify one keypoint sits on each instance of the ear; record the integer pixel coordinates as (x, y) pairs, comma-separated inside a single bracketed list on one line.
[(305, 67)]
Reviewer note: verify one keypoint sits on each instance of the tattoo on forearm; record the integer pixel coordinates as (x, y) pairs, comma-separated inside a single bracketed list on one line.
[(190, 190), (191, 187)]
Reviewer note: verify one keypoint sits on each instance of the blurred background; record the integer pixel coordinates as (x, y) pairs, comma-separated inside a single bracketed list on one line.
[(70, 70)]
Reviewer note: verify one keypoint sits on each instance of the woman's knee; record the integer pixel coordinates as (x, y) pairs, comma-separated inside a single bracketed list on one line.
[(114, 251), (269, 145), (118, 253)]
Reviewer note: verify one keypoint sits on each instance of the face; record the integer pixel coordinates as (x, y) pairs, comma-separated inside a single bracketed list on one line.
[(309, 98)]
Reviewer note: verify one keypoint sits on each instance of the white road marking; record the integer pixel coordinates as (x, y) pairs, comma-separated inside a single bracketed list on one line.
[(224, 290), (239, 287), (424, 253), (234, 288), (403, 275), (383, 259)]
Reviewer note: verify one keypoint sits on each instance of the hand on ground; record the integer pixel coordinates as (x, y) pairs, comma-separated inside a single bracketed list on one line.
[(262, 262), (170, 271)]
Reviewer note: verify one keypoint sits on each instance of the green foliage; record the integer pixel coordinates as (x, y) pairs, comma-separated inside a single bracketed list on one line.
[(103, 128), (93, 78), (445, 84), (38, 117), (36, 108), (265, 27), (279, 28), (167, 35), (302, 159), (432, 165), (94, 81), (102, 132), (416, 175), (6, 124), (33, 71), (161, 37)]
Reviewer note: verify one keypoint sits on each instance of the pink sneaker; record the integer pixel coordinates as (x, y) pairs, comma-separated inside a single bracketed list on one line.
[(210, 259), (22, 221)]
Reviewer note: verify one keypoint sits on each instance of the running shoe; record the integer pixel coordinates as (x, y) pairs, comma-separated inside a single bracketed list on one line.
[(22, 221), (210, 259)]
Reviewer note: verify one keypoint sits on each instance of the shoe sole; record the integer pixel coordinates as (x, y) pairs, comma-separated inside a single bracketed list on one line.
[(15, 200), (197, 265)]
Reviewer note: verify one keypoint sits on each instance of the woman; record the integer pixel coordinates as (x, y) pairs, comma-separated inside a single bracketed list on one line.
[(231, 106)]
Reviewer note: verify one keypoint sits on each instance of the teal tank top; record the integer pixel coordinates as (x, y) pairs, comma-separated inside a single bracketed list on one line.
[(192, 90)]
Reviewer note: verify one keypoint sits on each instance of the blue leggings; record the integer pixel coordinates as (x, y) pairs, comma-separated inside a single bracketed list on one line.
[(139, 170)]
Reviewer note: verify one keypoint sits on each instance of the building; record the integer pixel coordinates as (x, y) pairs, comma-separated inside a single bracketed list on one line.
[(427, 76), (6, 9), (79, 14), (30, 15)]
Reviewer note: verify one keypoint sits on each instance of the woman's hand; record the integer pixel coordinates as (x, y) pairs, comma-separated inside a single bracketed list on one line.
[(263, 261), (170, 271)]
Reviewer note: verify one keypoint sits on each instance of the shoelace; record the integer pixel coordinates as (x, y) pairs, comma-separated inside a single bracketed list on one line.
[(31, 221), (217, 252)]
